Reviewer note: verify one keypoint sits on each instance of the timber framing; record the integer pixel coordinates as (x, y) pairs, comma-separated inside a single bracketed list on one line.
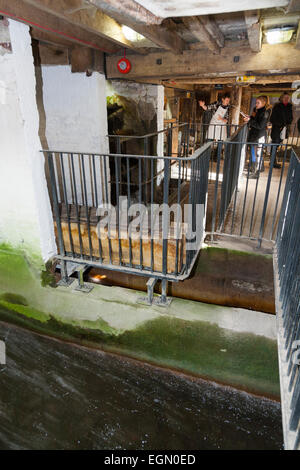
[(41, 19), (94, 21), (259, 80), (297, 45), (158, 34), (254, 30), (199, 31), (193, 64)]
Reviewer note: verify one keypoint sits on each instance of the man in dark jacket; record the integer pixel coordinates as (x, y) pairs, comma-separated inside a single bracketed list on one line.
[(281, 119)]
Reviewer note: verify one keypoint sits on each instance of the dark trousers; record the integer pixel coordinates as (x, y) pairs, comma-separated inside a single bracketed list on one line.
[(276, 139)]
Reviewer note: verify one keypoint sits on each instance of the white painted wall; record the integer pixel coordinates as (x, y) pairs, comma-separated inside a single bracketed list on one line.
[(75, 107), (25, 214), (165, 9), (76, 121)]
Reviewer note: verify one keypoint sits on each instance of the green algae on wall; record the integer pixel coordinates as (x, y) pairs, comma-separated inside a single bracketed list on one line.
[(187, 344)]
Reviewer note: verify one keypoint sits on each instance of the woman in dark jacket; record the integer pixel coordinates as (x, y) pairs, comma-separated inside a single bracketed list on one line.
[(257, 133)]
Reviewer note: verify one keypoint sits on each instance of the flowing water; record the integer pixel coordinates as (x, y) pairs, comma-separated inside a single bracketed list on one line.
[(55, 395)]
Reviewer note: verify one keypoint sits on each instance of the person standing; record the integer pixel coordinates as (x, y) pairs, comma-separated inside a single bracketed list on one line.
[(257, 134), (281, 119), (217, 129)]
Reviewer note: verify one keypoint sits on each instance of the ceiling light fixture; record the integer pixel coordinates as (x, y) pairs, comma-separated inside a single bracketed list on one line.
[(131, 35), (280, 35)]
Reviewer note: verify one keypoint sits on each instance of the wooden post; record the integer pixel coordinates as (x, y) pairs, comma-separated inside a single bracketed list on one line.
[(82, 59), (236, 99), (246, 100), (213, 94)]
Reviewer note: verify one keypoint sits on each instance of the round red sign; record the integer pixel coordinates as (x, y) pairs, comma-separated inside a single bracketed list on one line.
[(124, 65)]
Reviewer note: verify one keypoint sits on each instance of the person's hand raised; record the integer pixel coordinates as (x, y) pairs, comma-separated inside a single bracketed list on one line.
[(202, 104)]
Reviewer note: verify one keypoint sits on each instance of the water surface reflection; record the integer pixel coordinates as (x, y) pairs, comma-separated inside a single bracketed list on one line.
[(55, 395)]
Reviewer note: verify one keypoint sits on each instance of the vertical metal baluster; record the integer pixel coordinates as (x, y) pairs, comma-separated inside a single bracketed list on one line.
[(141, 215), (67, 203), (236, 171), (107, 200), (152, 216), (76, 205), (278, 193), (219, 150), (117, 229), (245, 199), (86, 207), (129, 205), (97, 205), (57, 215), (266, 198), (165, 221), (177, 224)]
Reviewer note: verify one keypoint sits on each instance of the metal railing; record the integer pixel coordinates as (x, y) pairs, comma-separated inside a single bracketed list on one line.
[(174, 140), (85, 187), (242, 204), (287, 287), (205, 132)]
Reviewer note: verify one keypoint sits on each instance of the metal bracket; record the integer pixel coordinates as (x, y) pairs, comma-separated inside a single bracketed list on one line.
[(65, 280), (82, 287), (161, 300)]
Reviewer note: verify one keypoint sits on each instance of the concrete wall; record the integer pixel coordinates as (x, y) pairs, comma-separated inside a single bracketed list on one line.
[(25, 214)]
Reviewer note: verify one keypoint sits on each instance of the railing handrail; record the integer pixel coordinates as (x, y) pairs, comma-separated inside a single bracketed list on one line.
[(239, 129), (124, 155), (166, 129)]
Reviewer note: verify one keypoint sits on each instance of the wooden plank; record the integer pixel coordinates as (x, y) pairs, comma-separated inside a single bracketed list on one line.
[(29, 14), (95, 21), (254, 30), (82, 59), (164, 38), (246, 100), (158, 34), (293, 6), (236, 100), (260, 80), (130, 11), (50, 38), (297, 45), (279, 57), (213, 29), (125, 257), (53, 55), (199, 31)]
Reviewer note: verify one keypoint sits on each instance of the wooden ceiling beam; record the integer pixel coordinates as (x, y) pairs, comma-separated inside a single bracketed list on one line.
[(260, 80), (129, 9), (92, 19), (158, 34), (41, 19), (293, 6), (48, 38), (297, 45), (283, 58), (254, 30), (213, 29), (199, 31)]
